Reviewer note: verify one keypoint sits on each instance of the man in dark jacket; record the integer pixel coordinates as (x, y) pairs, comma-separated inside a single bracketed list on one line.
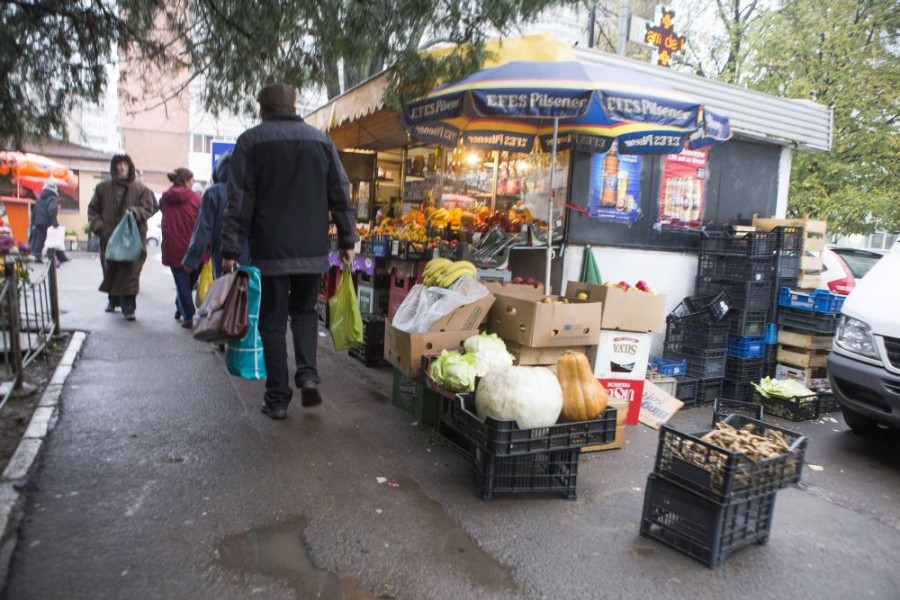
[(43, 215), (208, 229), (284, 180)]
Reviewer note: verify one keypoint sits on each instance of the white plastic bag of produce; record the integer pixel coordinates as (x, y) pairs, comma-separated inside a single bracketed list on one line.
[(424, 306)]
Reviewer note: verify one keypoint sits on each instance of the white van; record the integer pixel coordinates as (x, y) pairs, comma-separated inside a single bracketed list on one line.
[(864, 363)]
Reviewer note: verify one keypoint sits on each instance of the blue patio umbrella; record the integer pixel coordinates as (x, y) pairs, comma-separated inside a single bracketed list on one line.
[(515, 105)]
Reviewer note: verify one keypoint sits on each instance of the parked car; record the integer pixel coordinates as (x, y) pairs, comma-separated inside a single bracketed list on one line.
[(864, 363), (154, 229), (842, 267)]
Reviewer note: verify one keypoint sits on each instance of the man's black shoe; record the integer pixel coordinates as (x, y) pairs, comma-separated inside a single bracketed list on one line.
[(130, 316), (310, 396), (276, 413), (110, 307)]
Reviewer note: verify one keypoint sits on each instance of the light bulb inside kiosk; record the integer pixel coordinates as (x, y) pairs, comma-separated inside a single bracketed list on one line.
[(472, 159)]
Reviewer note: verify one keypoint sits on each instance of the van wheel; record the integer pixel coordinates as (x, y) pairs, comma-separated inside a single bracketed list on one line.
[(860, 424)]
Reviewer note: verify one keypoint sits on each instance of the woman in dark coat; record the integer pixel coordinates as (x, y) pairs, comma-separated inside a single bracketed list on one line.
[(112, 199), (180, 206)]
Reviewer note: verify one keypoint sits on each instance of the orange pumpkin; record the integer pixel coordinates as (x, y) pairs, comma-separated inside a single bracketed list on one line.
[(583, 396)]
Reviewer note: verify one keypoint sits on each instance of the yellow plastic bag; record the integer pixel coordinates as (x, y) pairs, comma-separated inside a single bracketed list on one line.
[(346, 320), (206, 277)]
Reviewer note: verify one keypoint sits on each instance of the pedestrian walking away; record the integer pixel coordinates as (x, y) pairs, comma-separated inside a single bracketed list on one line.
[(43, 216), (111, 201), (207, 234), (285, 178), (180, 206)]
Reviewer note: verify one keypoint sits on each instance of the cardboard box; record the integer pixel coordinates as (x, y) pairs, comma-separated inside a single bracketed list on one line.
[(373, 300), (627, 311), (621, 415), (522, 318), (405, 350), (628, 391), (815, 378), (526, 355), (497, 287), (621, 355)]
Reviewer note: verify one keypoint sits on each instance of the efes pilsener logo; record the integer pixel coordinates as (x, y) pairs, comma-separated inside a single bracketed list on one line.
[(646, 107), (534, 100), (715, 127), (434, 107), (653, 141), (497, 139), (436, 132)]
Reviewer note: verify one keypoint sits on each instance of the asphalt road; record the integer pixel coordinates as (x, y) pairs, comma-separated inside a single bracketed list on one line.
[(163, 480)]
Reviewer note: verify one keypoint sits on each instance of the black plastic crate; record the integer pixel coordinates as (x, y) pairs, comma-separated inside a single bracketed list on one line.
[(371, 355), (744, 369), (723, 475), (701, 528), (708, 390), (373, 328), (553, 472), (686, 390), (755, 295), (800, 408), (701, 307), (738, 390), (734, 269), (787, 264), (745, 323), (749, 245), (700, 334), (723, 407), (788, 238), (504, 438), (701, 363), (808, 320)]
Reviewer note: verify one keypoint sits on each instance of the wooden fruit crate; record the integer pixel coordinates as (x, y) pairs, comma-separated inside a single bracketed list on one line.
[(805, 340), (802, 357)]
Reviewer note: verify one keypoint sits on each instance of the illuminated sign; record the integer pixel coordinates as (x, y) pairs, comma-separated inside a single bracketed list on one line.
[(664, 38)]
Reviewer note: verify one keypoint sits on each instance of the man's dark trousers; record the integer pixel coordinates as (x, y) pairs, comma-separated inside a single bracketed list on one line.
[(286, 296)]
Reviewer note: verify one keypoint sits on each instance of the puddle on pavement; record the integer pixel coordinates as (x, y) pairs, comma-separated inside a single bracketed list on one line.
[(279, 551)]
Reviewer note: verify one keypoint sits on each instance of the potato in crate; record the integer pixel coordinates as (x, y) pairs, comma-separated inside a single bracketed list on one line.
[(739, 458)]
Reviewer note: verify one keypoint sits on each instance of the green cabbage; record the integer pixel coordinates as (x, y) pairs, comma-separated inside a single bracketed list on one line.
[(489, 352), (782, 388), (453, 371)]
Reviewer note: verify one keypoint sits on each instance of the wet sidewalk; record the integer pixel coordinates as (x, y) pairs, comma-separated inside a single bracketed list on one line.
[(163, 480)]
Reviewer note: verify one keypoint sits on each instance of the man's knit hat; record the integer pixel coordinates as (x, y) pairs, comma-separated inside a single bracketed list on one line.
[(277, 94)]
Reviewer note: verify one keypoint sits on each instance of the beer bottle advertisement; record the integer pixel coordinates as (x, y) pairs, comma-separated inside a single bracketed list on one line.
[(682, 192), (614, 193)]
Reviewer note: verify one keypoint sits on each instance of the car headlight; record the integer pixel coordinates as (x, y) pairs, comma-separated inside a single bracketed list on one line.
[(855, 336)]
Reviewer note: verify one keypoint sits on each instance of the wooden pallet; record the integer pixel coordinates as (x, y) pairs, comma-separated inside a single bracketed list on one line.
[(801, 357), (804, 340)]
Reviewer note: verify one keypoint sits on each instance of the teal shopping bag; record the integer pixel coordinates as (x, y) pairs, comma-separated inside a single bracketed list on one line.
[(346, 320), (244, 357), (125, 244)]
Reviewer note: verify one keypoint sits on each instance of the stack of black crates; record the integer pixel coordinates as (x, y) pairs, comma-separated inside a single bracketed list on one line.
[(371, 353), (706, 501), (749, 268), (697, 334)]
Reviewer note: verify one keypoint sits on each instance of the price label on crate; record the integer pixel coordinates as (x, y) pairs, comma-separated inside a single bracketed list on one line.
[(657, 407)]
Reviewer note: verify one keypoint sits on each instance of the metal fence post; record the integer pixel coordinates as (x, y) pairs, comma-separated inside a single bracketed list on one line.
[(54, 292), (15, 347)]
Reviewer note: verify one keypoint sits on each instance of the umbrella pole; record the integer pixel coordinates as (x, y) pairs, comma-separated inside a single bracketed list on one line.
[(550, 209)]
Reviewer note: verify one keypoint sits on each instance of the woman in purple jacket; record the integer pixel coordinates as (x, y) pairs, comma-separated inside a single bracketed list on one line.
[(180, 206)]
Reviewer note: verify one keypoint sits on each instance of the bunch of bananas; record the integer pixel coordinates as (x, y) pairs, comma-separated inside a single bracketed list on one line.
[(443, 272), (439, 218)]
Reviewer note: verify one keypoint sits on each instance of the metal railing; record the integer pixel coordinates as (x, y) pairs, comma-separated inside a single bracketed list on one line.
[(29, 318)]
